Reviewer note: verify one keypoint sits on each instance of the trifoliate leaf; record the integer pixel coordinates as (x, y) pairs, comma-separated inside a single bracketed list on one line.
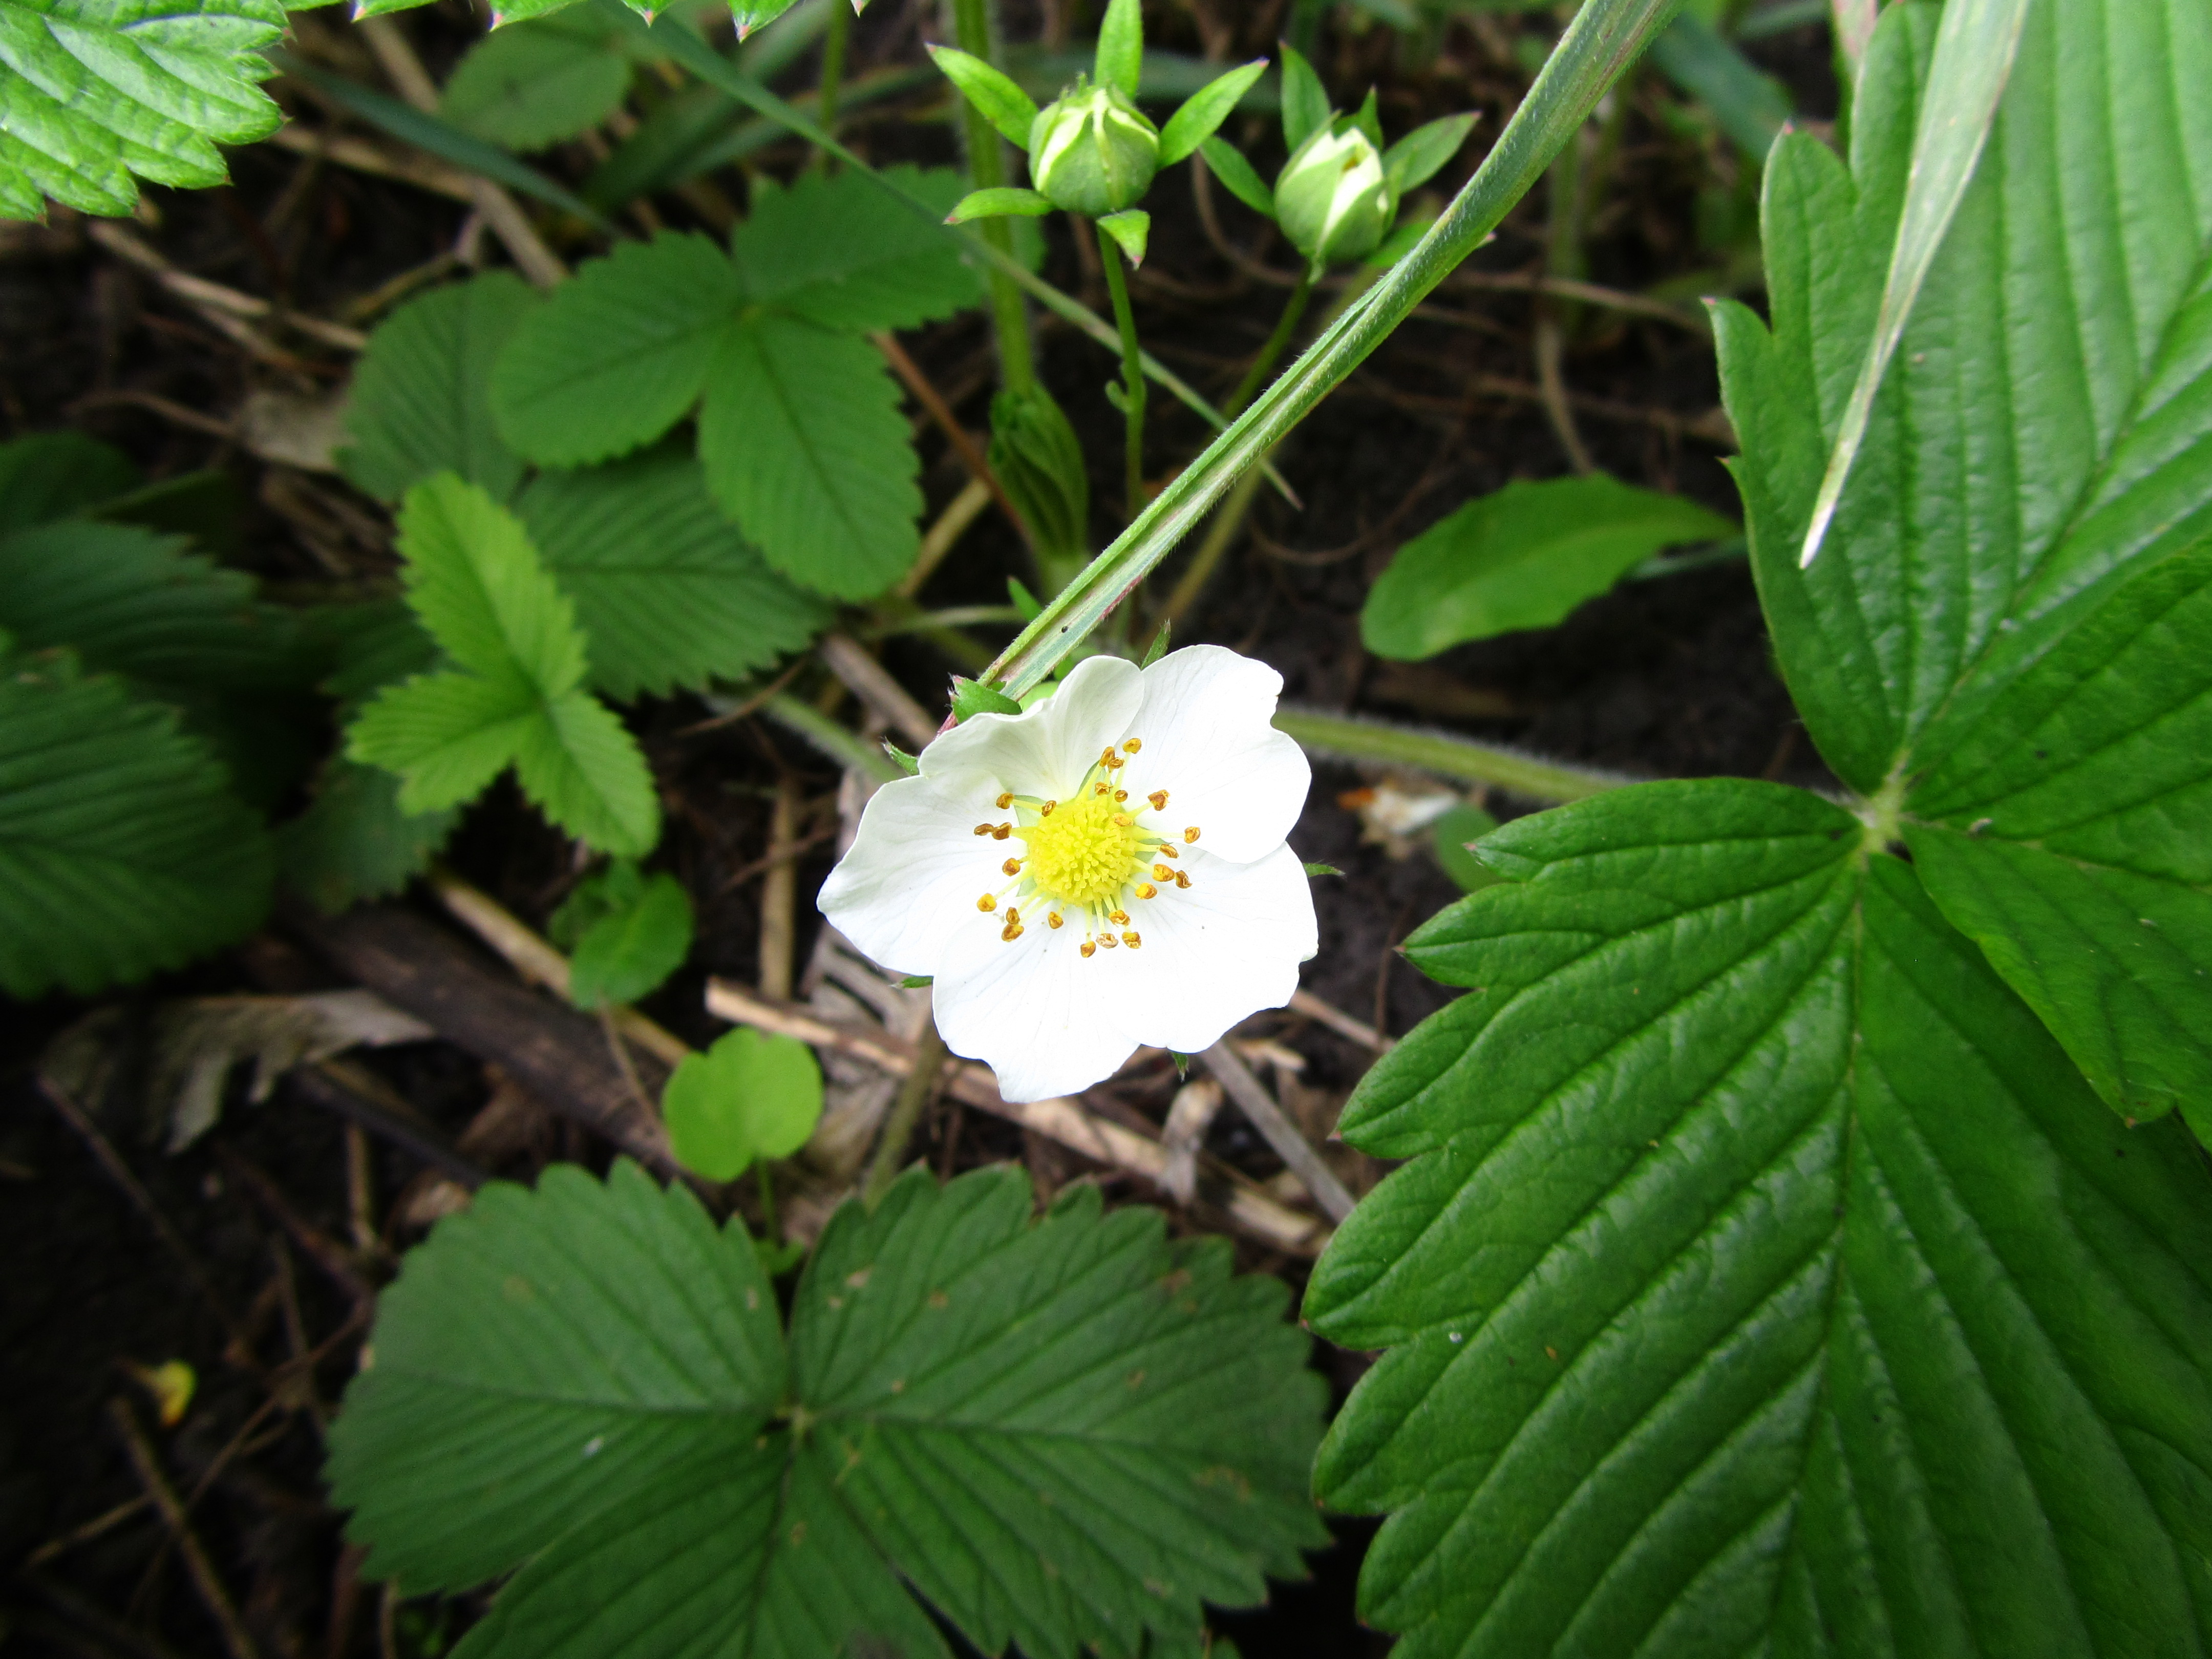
[(667, 590), (529, 84), (1753, 1227), (837, 248), (514, 697), (618, 355), (353, 843), (123, 850), (627, 933), (752, 1096), (805, 446), (97, 90), (1059, 1433), (1522, 557), (421, 401), (58, 475)]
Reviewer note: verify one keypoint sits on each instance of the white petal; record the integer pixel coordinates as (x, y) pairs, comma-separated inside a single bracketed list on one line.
[(1045, 750), (1047, 1021), (1204, 720), (907, 890), (1223, 948)]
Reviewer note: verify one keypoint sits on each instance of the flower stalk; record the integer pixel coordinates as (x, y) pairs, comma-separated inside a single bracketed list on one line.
[(1133, 377)]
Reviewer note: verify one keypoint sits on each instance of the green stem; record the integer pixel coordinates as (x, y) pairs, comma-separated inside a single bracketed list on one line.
[(1445, 755), (906, 1112), (840, 744), (1270, 354), (833, 68), (986, 170), (1132, 374)]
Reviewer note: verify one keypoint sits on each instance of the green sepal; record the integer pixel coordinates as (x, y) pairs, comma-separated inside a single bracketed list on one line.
[(973, 697), (1159, 647), (1238, 176), (999, 201), (906, 763), (1131, 228), (1417, 157), (1205, 110), (1306, 108), (1322, 870), (1120, 60), (993, 94)]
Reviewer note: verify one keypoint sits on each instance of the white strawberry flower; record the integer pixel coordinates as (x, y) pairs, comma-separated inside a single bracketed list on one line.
[(1104, 870)]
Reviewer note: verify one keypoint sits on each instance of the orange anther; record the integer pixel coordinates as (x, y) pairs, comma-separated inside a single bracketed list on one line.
[(1160, 800), (1052, 919), (1133, 744), (1088, 948), (986, 904), (1189, 835), (1005, 801), (1145, 890), (1011, 866), (1006, 830), (1133, 940)]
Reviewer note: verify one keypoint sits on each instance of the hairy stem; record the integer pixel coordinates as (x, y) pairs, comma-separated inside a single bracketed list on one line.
[(833, 68), (1271, 354), (1133, 375), (1447, 756)]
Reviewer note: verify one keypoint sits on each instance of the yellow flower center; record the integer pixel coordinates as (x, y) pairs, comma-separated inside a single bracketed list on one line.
[(1088, 850)]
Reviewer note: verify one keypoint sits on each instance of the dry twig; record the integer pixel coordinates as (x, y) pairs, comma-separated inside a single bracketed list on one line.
[(1299, 1156), (212, 1595)]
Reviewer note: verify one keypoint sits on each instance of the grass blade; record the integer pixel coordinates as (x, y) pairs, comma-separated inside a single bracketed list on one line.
[(1974, 51)]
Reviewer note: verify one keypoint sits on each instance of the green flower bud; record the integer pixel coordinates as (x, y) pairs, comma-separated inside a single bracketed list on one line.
[(1331, 198), (1093, 151)]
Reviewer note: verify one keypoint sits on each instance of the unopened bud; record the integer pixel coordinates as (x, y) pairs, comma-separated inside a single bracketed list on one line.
[(1093, 151), (1331, 198)]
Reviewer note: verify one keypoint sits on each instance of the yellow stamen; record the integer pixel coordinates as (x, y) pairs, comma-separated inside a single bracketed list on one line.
[(1122, 820), (1160, 800), (1005, 801), (1013, 916), (982, 829), (1011, 866), (1133, 940), (1145, 890), (1189, 835), (1052, 919), (1106, 940), (1045, 811), (1120, 794), (1011, 931), (1167, 851), (1006, 830), (1100, 788), (1182, 877), (1133, 744), (1119, 918), (1161, 872), (986, 904), (1088, 948)]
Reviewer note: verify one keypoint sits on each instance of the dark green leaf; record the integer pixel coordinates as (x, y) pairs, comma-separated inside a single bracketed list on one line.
[(752, 1096), (640, 935), (58, 475), (530, 84), (1061, 1432), (1764, 1280), (838, 249), (805, 446), (1523, 557), (1751, 107), (421, 401), (353, 843), (668, 591), (973, 697), (619, 354), (123, 850)]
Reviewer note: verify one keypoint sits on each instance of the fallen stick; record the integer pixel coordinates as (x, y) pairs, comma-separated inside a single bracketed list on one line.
[(1297, 1154), (212, 1592)]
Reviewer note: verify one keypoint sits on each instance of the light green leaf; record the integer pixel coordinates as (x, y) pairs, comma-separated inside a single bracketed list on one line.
[(122, 851), (584, 771), (805, 446), (529, 84), (1523, 557), (1242, 181), (2066, 825), (58, 475), (1421, 154), (998, 203), (1130, 229), (420, 401), (1974, 49), (96, 90), (1306, 108), (1764, 1280), (627, 933), (1450, 835), (1204, 112), (476, 580), (353, 843), (1003, 104), (618, 355), (1120, 60), (667, 590), (1059, 1433), (838, 249), (447, 735), (1983, 507), (752, 1096), (1751, 107)]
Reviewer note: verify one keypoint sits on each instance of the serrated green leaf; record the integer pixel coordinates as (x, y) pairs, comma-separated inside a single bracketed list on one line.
[(1060, 1432), (478, 585), (421, 401), (1983, 504), (1237, 174), (1522, 557), (1002, 103), (371, 645), (638, 933), (530, 84), (58, 475), (752, 1096), (838, 249), (1205, 110), (805, 446), (2065, 823), (1306, 108), (1763, 1278), (618, 355), (667, 590), (1751, 107), (353, 843), (123, 850), (96, 90), (132, 602)]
